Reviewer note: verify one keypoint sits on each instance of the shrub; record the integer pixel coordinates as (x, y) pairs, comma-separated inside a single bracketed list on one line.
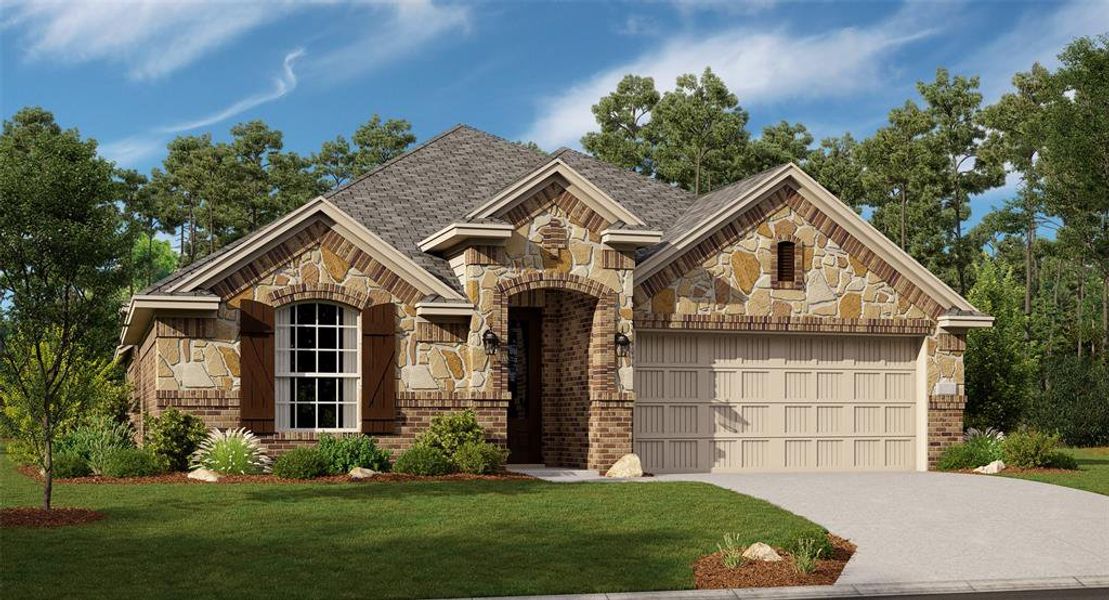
[(341, 454), (94, 439), (805, 553), (231, 452), (300, 463), (1028, 448), (449, 431), (975, 452), (70, 464), (22, 453), (174, 436), (423, 460), (131, 462), (731, 551), (479, 458), (1073, 404)]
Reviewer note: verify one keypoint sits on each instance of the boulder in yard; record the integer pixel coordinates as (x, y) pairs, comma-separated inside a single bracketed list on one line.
[(996, 466), (760, 551), (627, 466), (362, 473), (204, 475)]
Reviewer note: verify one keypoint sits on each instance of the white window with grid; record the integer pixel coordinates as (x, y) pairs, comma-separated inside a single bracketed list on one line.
[(317, 368)]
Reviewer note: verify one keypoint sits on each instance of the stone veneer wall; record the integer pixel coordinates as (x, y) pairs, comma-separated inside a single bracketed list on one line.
[(196, 360), (727, 282)]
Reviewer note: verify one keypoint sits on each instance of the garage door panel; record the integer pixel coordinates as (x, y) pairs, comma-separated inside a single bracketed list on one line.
[(735, 402)]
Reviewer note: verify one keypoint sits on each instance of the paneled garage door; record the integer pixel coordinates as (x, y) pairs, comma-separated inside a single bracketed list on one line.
[(758, 402)]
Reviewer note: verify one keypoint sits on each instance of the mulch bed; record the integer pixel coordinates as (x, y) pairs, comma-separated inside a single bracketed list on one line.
[(710, 572), (56, 517), (33, 473), (1020, 470)]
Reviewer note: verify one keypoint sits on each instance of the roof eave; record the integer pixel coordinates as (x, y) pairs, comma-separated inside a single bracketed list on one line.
[(457, 234)]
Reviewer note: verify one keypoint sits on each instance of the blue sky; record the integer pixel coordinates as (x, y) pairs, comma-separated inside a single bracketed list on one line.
[(133, 74)]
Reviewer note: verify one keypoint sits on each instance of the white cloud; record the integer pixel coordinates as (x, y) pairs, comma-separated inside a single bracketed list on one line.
[(409, 25), (282, 86), (133, 150), (760, 66), (151, 38), (1035, 38)]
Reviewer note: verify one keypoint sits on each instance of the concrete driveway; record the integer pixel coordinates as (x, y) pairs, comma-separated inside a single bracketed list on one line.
[(915, 527)]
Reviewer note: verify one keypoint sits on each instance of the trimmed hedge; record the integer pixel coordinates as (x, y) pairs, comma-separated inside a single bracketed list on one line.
[(423, 460), (132, 462), (300, 463)]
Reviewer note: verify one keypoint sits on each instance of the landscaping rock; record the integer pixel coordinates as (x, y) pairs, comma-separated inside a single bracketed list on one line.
[(362, 473), (627, 466), (204, 475), (995, 467), (760, 551)]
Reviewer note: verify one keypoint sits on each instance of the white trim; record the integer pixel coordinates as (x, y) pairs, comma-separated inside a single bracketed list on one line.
[(630, 238), (843, 215), (141, 308), (444, 309), (578, 185), (949, 322), (260, 241), (457, 233)]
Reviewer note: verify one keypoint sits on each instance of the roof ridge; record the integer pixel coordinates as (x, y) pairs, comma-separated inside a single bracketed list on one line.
[(396, 159)]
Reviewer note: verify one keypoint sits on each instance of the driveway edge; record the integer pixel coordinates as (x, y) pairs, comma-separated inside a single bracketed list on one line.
[(857, 590)]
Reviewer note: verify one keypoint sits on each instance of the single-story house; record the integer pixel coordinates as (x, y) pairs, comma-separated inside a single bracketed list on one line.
[(583, 311)]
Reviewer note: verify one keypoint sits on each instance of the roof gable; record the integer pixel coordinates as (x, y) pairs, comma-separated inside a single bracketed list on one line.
[(559, 173), (818, 205), (234, 258)]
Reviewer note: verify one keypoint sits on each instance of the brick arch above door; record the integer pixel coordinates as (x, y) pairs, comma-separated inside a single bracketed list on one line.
[(602, 360)]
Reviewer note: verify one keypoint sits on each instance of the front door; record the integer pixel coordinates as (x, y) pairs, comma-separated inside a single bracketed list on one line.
[(525, 372)]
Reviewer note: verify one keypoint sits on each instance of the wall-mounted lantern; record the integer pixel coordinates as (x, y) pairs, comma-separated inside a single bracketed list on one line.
[(490, 341), (623, 344)]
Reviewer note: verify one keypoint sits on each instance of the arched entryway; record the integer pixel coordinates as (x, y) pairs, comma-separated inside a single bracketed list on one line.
[(558, 358)]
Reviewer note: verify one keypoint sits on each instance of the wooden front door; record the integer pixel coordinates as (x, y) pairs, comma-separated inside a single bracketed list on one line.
[(523, 352)]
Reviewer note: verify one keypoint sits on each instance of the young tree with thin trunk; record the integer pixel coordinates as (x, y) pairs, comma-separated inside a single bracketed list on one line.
[(61, 248)]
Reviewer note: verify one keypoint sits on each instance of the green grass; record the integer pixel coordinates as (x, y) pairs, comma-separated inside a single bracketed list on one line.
[(376, 540), (1092, 474)]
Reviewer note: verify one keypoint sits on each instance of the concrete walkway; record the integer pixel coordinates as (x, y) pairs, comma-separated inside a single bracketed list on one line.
[(919, 527), (932, 527)]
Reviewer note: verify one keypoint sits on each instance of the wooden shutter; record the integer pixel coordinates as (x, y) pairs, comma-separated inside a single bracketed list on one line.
[(256, 350), (379, 377)]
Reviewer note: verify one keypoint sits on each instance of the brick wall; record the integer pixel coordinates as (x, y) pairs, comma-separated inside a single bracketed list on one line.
[(567, 323)]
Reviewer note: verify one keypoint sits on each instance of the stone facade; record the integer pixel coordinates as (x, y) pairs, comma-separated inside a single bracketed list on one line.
[(729, 282), (555, 261)]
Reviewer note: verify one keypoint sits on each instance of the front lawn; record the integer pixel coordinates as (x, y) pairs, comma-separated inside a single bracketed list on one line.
[(1092, 474), (376, 540)]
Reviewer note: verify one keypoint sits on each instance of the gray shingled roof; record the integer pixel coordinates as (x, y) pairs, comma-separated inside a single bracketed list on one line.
[(418, 193)]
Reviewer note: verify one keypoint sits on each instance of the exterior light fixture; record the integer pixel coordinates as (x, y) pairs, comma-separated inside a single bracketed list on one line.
[(490, 341), (623, 343)]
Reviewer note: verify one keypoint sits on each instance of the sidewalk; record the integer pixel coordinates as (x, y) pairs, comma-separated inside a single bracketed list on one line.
[(861, 590)]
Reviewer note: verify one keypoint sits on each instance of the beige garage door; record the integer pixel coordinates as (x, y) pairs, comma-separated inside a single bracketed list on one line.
[(756, 402)]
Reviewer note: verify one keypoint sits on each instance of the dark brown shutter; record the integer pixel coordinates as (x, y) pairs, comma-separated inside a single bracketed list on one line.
[(256, 351), (379, 377)]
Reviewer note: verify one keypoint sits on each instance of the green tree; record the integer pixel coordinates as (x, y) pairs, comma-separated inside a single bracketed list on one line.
[(156, 257), (1076, 157), (953, 106), (375, 142), (1000, 366), (780, 143), (836, 165), (898, 177), (1016, 138), (623, 117), (61, 249), (698, 129), (181, 189)]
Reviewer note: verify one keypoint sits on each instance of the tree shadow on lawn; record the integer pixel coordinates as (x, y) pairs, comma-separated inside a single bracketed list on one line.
[(333, 557)]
